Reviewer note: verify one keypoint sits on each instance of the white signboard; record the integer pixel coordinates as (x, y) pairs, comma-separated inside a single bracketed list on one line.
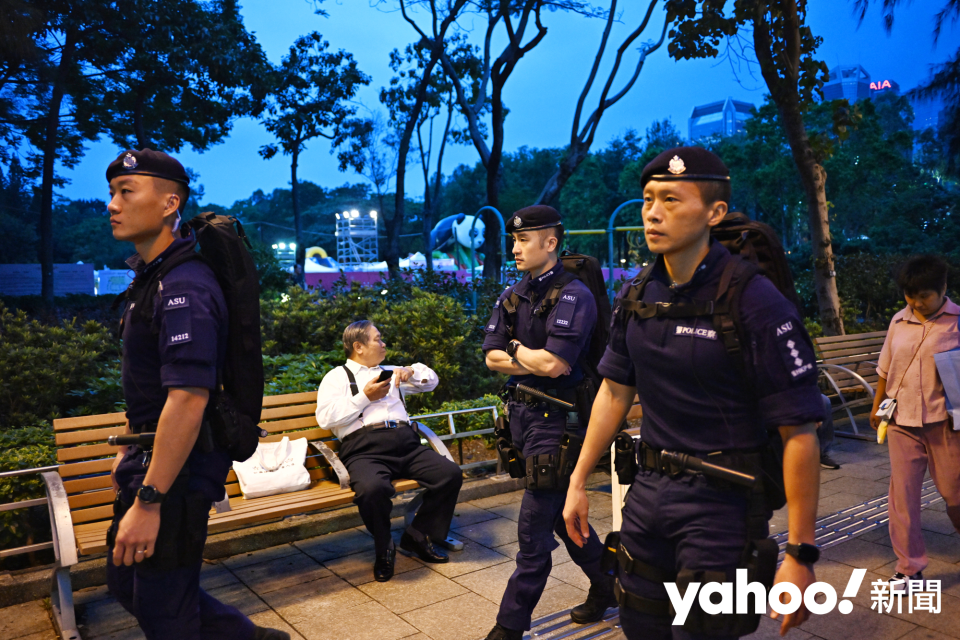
[(111, 282)]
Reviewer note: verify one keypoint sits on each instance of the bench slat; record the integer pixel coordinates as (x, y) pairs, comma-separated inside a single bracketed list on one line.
[(86, 451), (87, 484), (91, 498), (88, 436), (291, 424), (87, 422), (290, 398), (874, 350), (289, 411), (849, 337), (85, 468), (92, 514)]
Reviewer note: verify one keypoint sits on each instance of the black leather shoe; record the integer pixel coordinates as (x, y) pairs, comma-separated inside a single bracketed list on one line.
[(599, 599), (263, 633), (383, 566), (502, 633), (427, 551)]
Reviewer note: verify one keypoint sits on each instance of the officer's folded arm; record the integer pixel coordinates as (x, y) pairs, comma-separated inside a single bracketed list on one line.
[(177, 432), (610, 409), (541, 362), (499, 360), (801, 479)]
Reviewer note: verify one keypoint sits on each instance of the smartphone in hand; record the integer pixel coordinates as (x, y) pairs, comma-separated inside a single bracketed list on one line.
[(385, 375)]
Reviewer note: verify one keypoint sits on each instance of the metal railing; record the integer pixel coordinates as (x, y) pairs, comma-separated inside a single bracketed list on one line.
[(25, 504), (459, 436)]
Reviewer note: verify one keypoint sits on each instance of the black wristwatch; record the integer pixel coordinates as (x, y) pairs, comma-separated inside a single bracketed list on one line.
[(148, 494), (806, 553), (512, 349)]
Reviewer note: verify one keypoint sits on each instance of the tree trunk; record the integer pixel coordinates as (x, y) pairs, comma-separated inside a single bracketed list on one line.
[(49, 159), (301, 252), (491, 233), (573, 159), (143, 141)]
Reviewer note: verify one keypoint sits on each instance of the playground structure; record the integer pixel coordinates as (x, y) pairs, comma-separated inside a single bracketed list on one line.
[(356, 238)]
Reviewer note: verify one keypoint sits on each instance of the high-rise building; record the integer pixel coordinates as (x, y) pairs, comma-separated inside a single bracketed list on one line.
[(850, 82), (724, 118), (927, 114)]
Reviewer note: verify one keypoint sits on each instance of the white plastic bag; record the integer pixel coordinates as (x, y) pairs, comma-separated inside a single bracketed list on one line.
[(276, 467), (948, 366)]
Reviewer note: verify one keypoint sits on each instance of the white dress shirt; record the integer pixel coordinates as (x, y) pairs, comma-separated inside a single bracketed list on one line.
[(340, 411)]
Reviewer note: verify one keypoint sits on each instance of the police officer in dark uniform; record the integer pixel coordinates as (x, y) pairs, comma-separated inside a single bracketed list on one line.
[(542, 351), (702, 399), (170, 365)]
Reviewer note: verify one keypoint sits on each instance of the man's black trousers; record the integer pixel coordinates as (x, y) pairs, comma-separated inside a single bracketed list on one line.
[(374, 458)]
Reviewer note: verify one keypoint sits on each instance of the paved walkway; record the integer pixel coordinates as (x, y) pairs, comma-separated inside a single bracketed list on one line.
[(323, 589)]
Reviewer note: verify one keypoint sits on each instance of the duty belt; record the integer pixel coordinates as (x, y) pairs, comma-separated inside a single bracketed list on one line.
[(518, 395), (650, 458), (387, 424)]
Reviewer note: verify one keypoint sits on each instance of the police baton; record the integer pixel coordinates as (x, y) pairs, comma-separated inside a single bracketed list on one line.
[(135, 439), (536, 393), (687, 462)]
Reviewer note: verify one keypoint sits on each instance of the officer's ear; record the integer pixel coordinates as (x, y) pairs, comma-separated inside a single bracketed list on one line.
[(716, 213)]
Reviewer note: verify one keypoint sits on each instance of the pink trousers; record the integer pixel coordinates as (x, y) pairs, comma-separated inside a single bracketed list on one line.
[(912, 450)]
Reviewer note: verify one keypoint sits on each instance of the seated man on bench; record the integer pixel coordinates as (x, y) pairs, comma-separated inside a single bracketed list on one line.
[(363, 405)]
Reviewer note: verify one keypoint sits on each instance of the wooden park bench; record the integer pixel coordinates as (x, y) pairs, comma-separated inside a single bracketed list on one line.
[(80, 492), (848, 365)]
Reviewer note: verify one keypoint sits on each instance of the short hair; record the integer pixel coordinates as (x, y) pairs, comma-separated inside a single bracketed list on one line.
[(714, 191), (922, 273), (557, 232), (163, 185), (355, 332)]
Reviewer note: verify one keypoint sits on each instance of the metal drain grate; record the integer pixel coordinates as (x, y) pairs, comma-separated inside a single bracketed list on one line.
[(830, 531)]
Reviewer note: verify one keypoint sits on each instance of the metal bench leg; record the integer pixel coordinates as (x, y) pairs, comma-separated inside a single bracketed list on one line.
[(448, 543), (61, 601)]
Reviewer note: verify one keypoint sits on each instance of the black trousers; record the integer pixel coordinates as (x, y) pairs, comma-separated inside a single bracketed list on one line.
[(374, 458)]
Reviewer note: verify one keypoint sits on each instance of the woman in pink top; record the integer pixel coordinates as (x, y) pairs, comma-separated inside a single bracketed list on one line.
[(920, 434)]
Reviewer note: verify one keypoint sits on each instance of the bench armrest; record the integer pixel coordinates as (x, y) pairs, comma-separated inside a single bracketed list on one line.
[(435, 443), (64, 542), (342, 474), (856, 376)]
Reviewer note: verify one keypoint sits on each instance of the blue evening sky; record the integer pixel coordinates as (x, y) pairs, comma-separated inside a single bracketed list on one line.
[(543, 90)]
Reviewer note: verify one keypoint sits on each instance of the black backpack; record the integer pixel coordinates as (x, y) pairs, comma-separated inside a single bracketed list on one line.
[(587, 270), (235, 406)]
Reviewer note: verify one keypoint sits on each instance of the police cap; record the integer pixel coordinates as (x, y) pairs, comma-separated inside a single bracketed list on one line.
[(538, 216), (693, 164), (148, 162)]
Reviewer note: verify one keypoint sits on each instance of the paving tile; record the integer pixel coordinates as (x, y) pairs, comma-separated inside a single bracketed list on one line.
[(333, 545), (215, 575), (859, 553), (601, 504), (256, 557), (357, 568), (864, 470), (838, 575), (271, 620), (130, 633), (563, 596), (571, 574), (946, 622), (102, 618), (368, 621), (837, 502), (856, 486), (24, 619), (281, 572), (490, 533), (90, 595), (769, 629), (939, 505), (509, 511), (474, 616), (937, 521), (492, 581), (308, 604), (466, 514), (948, 574), (419, 636), (498, 500), (862, 621), (473, 557), (602, 526), (43, 635), (413, 590), (239, 596), (925, 634)]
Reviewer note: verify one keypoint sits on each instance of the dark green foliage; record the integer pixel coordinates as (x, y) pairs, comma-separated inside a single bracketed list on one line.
[(273, 279), (24, 448), (101, 393), (299, 372), (41, 364)]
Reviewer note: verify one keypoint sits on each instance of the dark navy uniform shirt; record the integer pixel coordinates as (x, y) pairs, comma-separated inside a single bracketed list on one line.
[(694, 398), (565, 331), (184, 347)]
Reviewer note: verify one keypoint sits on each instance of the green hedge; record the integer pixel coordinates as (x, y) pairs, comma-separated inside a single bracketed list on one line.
[(24, 448)]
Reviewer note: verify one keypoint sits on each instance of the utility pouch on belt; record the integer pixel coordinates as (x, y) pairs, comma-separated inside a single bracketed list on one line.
[(542, 473), (511, 459), (608, 561), (625, 458), (570, 445), (760, 560), (501, 427)]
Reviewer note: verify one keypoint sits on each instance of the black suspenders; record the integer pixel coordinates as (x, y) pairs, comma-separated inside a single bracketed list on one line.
[(355, 389)]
